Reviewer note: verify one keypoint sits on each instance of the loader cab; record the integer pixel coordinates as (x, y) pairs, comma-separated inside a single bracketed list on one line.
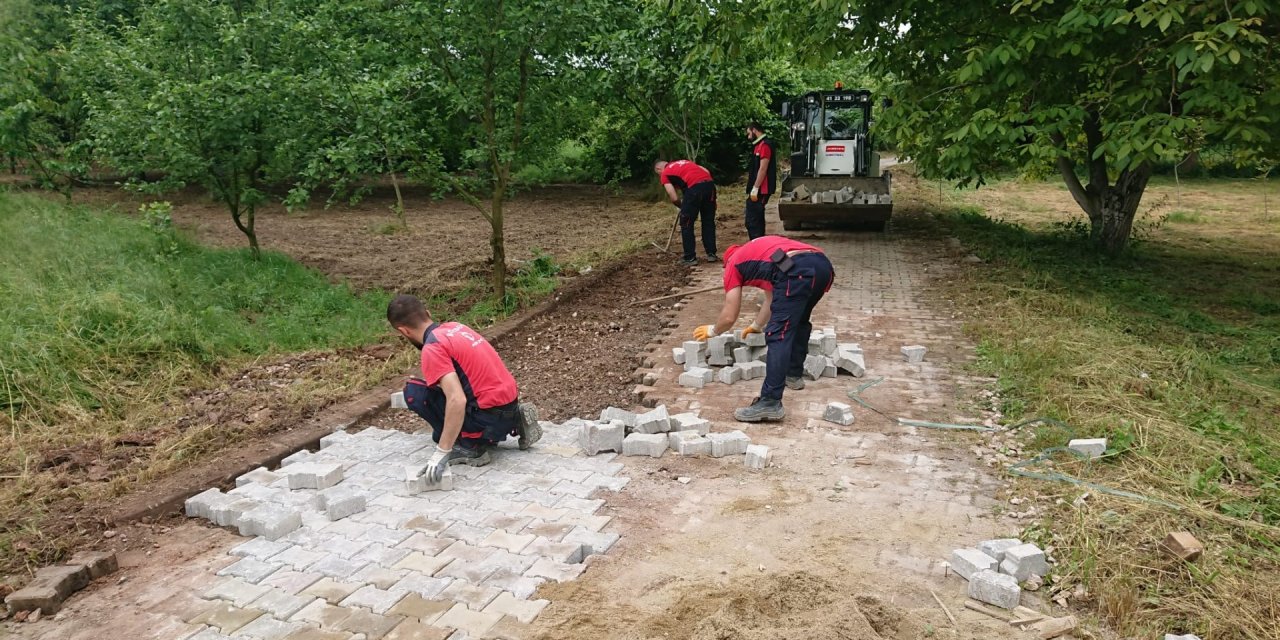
[(831, 134)]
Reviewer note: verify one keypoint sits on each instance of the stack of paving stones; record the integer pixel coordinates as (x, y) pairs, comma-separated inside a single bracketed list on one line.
[(343, 547), (996, 568), (731, 357), (654, 432)]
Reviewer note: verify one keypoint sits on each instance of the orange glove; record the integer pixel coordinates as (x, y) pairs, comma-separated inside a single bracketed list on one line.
[(750, 330), (705, 331)]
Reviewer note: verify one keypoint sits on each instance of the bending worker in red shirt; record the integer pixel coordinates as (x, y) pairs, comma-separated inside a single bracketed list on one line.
[(794, 277), (699, 196), (762, 179), (466, 393)]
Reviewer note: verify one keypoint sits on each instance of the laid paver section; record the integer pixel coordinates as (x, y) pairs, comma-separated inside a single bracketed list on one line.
[(345, 549)]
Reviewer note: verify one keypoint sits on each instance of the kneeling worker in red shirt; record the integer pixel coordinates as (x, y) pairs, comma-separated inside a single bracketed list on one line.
[(794, 276), (466, 393)]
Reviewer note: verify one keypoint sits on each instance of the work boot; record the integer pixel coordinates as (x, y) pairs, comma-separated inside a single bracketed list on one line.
[(688, 262), (795, 383), (761, 410), (711, 257), (476, 456), (530, 431)]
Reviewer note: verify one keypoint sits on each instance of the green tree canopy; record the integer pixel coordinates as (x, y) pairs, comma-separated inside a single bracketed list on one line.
[(1099, 89)]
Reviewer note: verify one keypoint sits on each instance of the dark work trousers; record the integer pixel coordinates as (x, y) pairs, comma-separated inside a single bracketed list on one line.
[(479, 426), (698, 199), (755, 216), (795, 295)]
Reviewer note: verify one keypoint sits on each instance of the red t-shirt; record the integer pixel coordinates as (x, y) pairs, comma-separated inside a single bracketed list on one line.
[(751, 264), (478, 365), (762, 152), (683, 174)]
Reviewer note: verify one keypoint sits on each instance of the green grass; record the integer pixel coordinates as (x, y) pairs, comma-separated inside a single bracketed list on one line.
[(93, 304), (1172, 351)]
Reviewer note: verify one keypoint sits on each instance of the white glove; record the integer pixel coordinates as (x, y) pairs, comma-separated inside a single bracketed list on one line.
[(436, 464), (755, 193)]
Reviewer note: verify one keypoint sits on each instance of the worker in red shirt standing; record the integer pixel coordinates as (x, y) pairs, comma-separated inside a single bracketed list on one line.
[(762, 179), (698, 196), (794, 276), (466, 393)]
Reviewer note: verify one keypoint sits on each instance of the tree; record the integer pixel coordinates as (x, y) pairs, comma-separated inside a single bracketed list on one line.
[(201, 92), (503, 67), (684, 66), (1106, 88)]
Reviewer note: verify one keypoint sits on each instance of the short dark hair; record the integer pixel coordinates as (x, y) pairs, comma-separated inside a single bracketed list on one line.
[(755, 125), (405, 310)]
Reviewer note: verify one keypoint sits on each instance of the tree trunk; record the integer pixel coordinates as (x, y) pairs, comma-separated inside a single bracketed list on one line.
[(253, 235), (399, 207), (497, 243), (1117, 207), (244, 222)]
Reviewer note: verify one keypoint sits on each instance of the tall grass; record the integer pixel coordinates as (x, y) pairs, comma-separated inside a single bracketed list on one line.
[(94, 308), (1172, 351)]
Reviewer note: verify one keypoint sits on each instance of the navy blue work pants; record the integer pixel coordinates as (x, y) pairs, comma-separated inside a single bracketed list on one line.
[(795, 294)]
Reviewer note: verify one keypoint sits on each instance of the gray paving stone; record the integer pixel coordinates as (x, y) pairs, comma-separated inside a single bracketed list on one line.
[(336, 567), (566, 552), (373, 599), (474, 623), (525, 611), (596, 437), (474, 597), (289, 581), (995, 588), (425, 586), (260, 475), (654, 421), (380, 577), (201, 505), (226, 514), (297, 557), (641, 444), (268, 628), (269, 520), (372, 625), (996, 548), (596, 542), (689, 422), (519, 585), (250, 570), (281, 604), (259, 548), (967, 562), (613, 413), (839, 413), (381, 555), (556, 571), (323, 614), (236, 591), (313, 475), (728, 444), (757, 456)]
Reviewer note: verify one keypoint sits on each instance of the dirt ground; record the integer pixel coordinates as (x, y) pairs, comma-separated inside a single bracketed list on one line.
[(446, 242)]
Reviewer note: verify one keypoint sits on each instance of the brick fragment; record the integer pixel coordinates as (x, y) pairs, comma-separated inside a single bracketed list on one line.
[(967, 562), (1090, 447), (913, 354), (813, 366), (758, 456), (642, 444), (995, 588), (1183, 545), (595, 437), (839, 413), (728, 444), (97, 563), (696, 377)]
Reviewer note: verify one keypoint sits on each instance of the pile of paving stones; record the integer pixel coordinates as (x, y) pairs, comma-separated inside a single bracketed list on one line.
[(996, 568), (653, 432), (743, 358), (344, 543)]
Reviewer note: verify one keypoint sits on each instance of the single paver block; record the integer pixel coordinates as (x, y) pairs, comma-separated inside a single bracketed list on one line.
[(313, 475), (967, 562), (523, 610), (268, 628), (1024, 561), (416, 607), (728, 375), (758, 456), (913, 353), (677, 354), (728, 444), (657, 420), (260, 475), (334, 438), (676, 437), (235, 591), (829, 370), (510, 541), (331, 590), (995, 588), (742, 355), (695, 354), (552, 570), (321, 613), (696, 378), (645, 444), (690, 422), (201, 505), (372, 598), (474, 623), (281, 604), (271, 521), (851, 361), (97, 563), (813, 366), (250, 569), (1183, 545), (340, 502), (839, 413), (1090, 447), (752, 370), (372, 625), (594, 542), (422, 563), (613, 413), (827, 341), (397, 401), (415, 630), (699, 446), (476, 598), (49, 588), (996, 548), (418, 482), (227, 617), (595, 437)]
